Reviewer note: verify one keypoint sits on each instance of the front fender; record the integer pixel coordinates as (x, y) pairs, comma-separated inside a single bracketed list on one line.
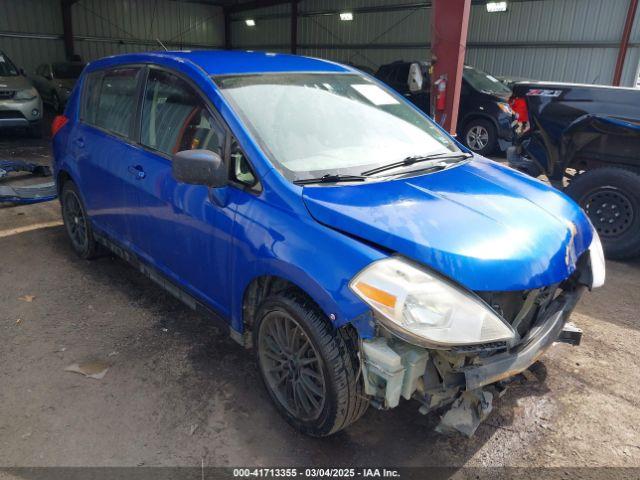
[(271, 241)]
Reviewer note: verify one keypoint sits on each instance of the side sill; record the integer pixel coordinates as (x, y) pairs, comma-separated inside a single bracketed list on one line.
[(243, 338)]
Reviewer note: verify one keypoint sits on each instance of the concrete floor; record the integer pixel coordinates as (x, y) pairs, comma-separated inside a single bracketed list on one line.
[(178, 392)]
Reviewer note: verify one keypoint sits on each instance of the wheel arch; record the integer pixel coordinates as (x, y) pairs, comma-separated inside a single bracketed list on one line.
[(62, 177), (478, 116), (340, 314)]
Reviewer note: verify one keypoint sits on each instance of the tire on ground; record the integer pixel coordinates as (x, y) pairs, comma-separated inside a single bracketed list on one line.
[(337, 348), (88, 248), (601, 184)]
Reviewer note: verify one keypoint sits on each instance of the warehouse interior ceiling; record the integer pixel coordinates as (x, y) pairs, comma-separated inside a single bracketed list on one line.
[(560, 40)]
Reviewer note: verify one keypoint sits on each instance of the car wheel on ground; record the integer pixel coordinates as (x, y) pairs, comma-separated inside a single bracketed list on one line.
[(480, 136), (77, 222), (309, 368), (611, 198)]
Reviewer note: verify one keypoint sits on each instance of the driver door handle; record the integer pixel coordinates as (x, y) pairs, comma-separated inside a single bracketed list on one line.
[(138, 171)]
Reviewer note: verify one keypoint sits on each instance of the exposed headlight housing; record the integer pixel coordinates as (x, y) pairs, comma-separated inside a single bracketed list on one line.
[(26, 94), (596, 254), (425, 309)]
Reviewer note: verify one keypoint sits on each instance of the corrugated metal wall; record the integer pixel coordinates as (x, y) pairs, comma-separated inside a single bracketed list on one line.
[(31, 30), (41, 17), (561, 40), (107, 27), (565, 40)]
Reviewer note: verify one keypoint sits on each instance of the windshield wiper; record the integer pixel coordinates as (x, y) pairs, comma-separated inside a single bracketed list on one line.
[(331, 178), (416, 159)]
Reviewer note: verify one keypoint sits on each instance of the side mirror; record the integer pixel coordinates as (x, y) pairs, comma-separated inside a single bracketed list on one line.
[(416, 79), (48, 76), (22, 72), (199, 167)]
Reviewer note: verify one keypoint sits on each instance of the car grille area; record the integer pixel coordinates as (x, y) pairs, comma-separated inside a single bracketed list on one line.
[(520, 308), (11, 115), (7, 94)]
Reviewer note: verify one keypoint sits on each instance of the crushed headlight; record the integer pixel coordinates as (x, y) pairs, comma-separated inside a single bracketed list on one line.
[(596, 254), (26, 94), (425, 309)]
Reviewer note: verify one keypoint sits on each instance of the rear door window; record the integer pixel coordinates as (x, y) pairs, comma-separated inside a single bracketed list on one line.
[(111, 100), (175, 118)]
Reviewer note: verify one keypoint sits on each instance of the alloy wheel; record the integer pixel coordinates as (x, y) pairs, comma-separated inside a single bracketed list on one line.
[(291, 366), (477, 137), (75, 221)]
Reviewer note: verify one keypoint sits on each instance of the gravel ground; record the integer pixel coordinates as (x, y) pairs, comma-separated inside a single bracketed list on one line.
[(178, 392)]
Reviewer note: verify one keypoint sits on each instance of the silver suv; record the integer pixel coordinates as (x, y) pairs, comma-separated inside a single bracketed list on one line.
[(20, 103)]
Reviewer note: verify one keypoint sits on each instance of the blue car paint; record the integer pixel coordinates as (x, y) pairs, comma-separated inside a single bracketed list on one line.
[(214, 243), (481, 224)]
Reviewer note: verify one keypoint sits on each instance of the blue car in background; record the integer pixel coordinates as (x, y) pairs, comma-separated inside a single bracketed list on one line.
[(358, 249)]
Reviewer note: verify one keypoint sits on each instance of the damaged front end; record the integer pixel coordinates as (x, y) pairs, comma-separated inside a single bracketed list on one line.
[(467, 377)]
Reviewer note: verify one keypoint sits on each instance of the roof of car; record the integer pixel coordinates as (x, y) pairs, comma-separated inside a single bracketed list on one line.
[(225, 62)]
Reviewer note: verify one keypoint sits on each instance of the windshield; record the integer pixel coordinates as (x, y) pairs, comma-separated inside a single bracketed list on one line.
[(65, 71), (316, 124), (484, 82), (7, 68)]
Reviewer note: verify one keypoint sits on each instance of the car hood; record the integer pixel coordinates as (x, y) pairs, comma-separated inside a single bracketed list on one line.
[(14, 83), (481, 224)]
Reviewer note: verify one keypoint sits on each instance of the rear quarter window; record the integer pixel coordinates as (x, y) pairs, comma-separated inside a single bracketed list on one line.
[(110, 100)]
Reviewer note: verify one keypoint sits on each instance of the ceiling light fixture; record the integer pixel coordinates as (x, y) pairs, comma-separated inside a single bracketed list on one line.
[(346, 16), (493, 7), (250, 22)]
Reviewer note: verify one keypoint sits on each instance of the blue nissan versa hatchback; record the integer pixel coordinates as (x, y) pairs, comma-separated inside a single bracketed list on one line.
[(361, 252)]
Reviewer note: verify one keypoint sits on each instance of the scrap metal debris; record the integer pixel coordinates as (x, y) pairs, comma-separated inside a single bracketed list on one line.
[(529, 376), (95, 369), (42, 192), (466, 413)]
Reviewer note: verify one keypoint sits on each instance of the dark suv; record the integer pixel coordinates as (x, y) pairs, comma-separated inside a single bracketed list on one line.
[(485, 117)]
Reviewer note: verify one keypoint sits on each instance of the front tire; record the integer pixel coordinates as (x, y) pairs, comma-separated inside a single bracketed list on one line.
[(480, 136), (309, 368), (611, 198), (77, 222)]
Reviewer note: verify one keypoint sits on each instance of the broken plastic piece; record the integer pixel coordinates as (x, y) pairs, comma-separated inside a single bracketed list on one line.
[(42, 192), (95, 370), (570, 334), (466, 413)]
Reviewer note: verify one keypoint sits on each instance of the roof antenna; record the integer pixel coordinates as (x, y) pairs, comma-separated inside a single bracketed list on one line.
[(162, 45)]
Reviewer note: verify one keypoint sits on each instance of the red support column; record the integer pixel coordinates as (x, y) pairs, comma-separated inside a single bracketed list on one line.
[(449, 26), (67, 28), (624, 42)]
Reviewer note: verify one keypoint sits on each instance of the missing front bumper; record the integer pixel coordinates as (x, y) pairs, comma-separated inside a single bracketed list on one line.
[(393, 369)]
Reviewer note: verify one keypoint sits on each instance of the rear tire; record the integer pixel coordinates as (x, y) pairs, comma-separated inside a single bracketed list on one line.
[(309, 368), (77, 222), (480, 136), (611, 198)]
